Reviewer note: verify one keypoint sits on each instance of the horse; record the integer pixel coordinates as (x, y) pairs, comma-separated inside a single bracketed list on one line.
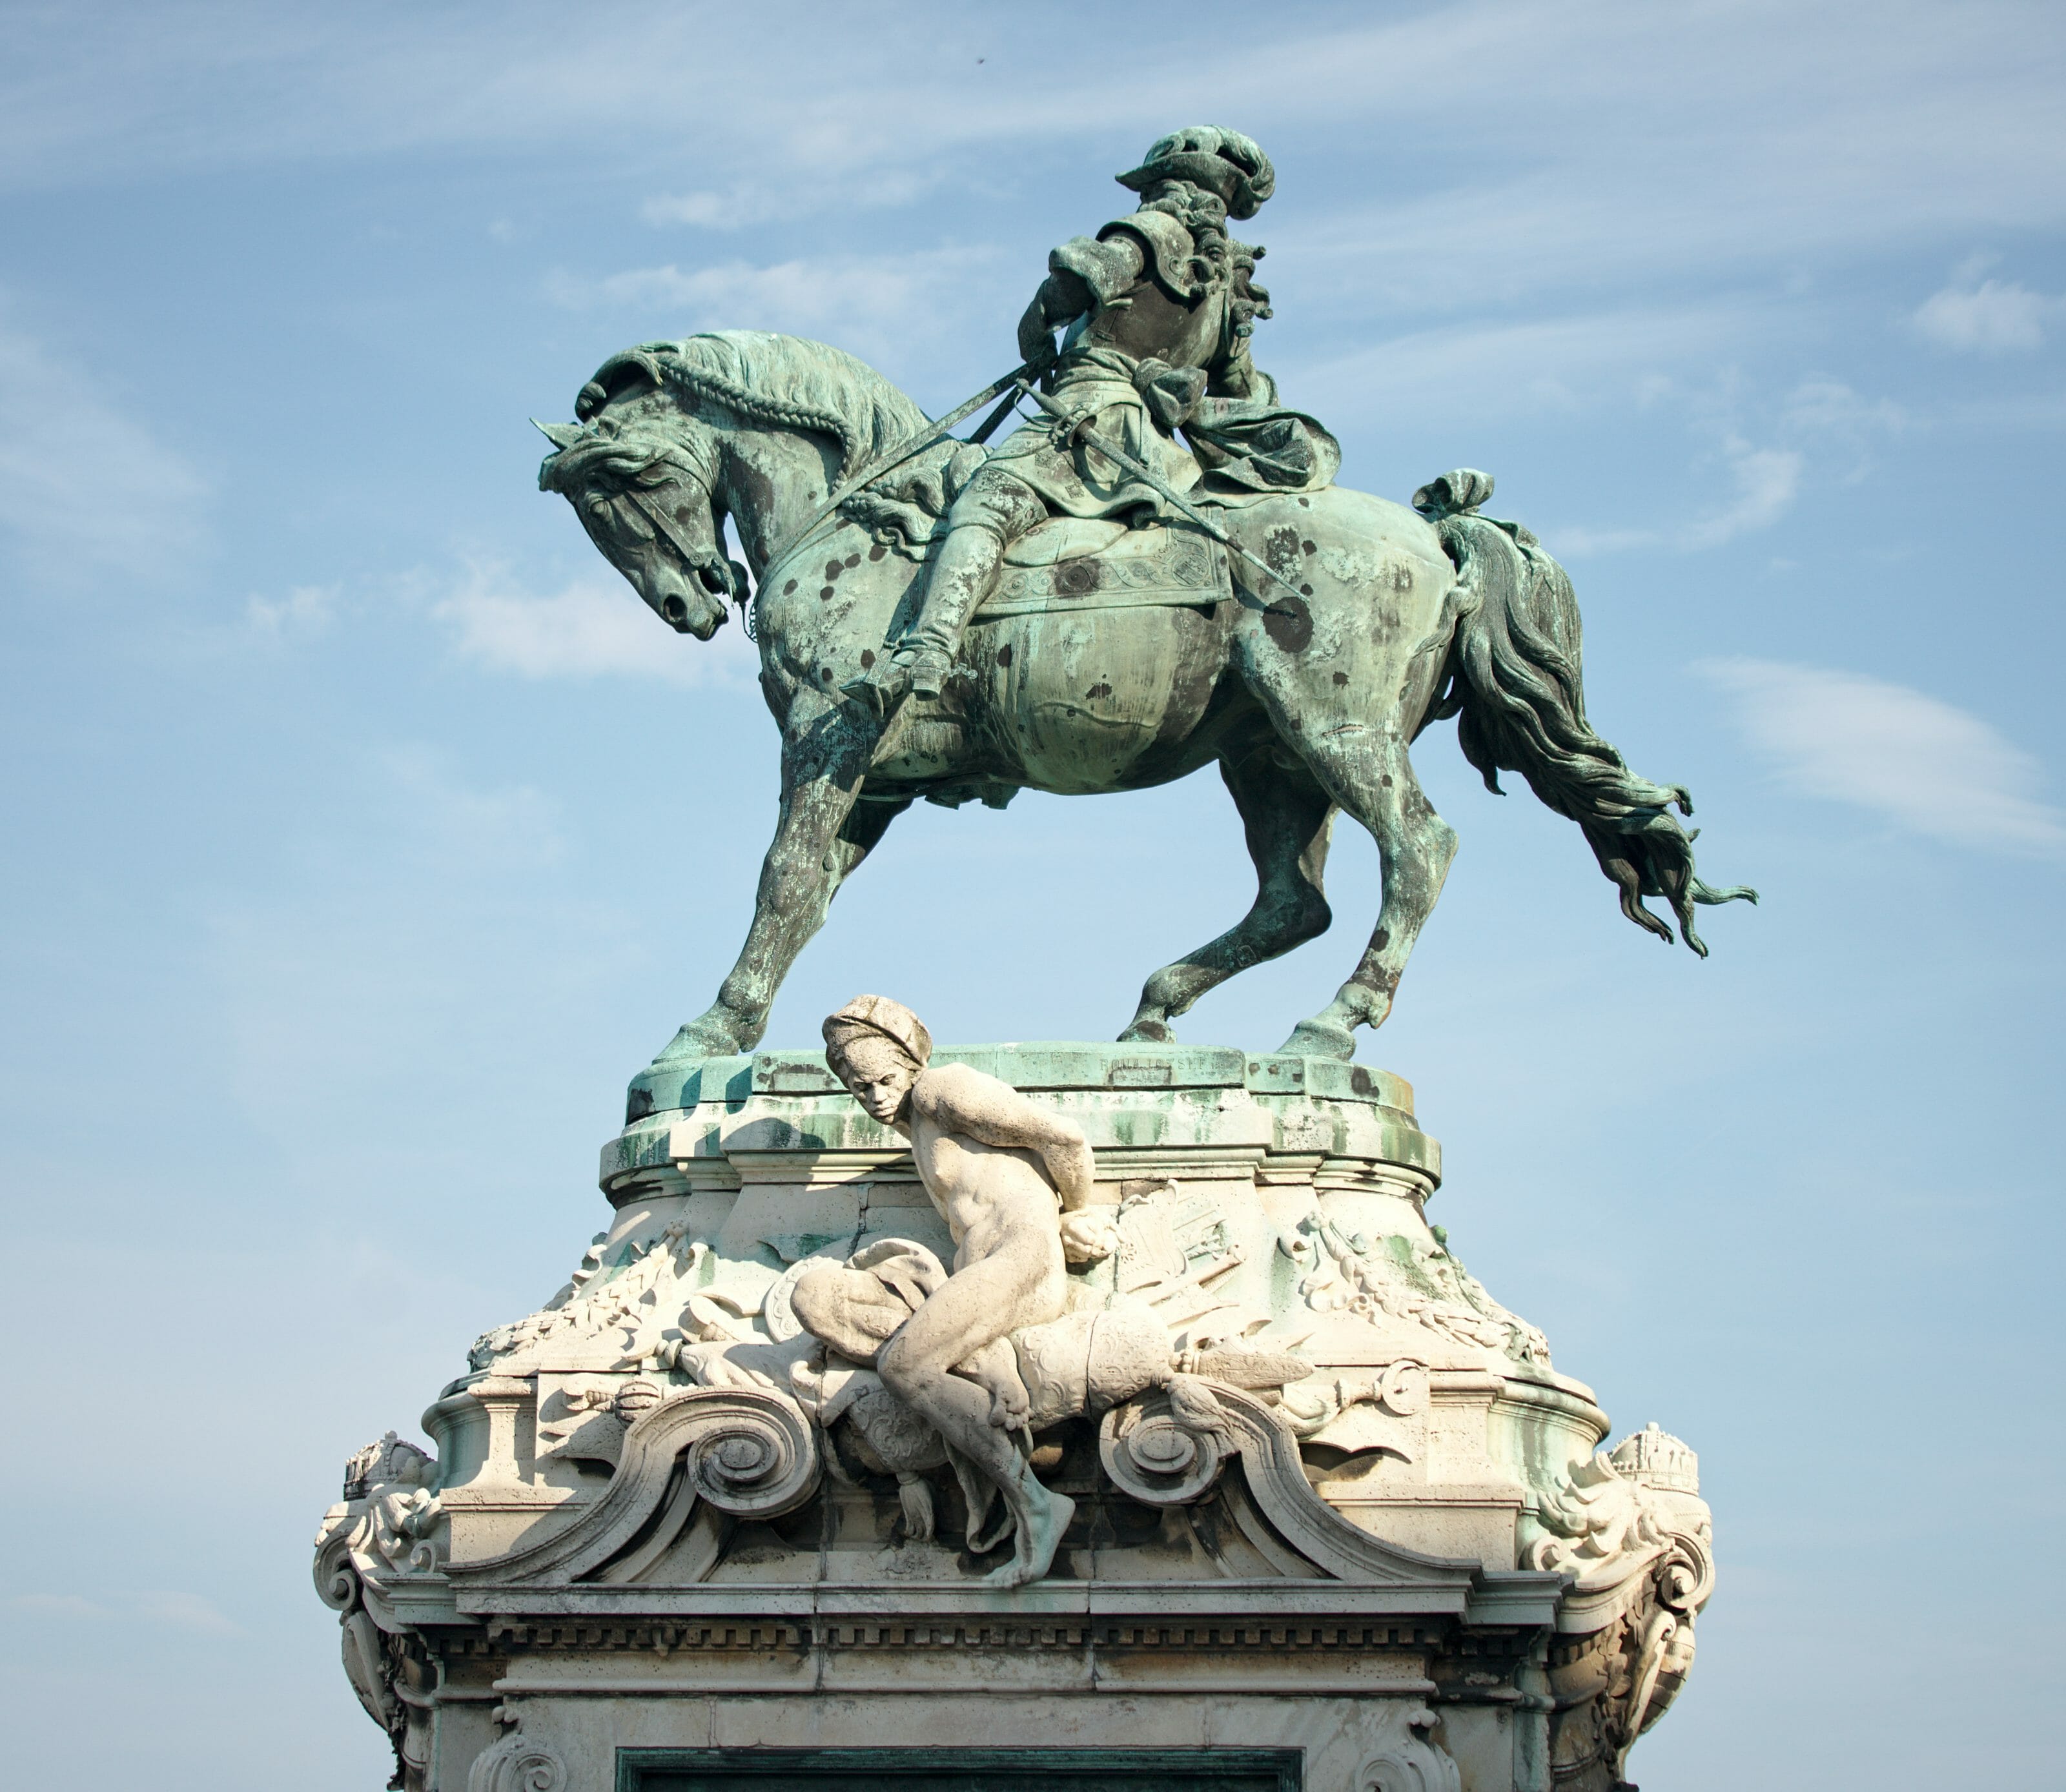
[(1306, 688)]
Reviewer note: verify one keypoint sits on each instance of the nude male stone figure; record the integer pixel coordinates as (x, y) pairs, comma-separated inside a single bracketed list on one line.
[(1012, 1182)]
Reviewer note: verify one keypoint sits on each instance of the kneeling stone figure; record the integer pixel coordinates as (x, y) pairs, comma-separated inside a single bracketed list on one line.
[(1012, 1182), (959, 1349)]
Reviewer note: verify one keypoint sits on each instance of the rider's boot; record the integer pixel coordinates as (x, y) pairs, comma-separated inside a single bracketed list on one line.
[(963, 570)]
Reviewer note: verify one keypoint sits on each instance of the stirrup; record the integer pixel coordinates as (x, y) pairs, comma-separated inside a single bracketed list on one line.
[(927, 674), (878, 691)]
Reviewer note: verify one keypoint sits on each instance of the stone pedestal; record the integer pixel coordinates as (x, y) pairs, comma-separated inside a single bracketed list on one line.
[(664, 1544)]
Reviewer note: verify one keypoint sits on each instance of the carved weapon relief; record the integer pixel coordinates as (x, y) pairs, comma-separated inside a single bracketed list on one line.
[(603, 1296), (1400, 1278)]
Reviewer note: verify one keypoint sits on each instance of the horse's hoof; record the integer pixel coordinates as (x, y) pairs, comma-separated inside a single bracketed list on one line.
[(701, 1039), (1149, 1033), (1318, 1039)]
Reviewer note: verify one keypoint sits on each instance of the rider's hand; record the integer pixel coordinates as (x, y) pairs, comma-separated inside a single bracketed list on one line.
[(1036, 336)]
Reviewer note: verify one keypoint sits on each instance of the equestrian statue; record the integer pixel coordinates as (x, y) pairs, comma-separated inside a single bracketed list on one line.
[(1155, 572)]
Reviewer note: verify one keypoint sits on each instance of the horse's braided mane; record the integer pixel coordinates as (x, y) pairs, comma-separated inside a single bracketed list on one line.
[(772, 378)]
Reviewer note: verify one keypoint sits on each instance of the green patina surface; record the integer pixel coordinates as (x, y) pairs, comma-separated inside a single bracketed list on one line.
[(1126, 1097), (1156, 574), (1034, 1064)]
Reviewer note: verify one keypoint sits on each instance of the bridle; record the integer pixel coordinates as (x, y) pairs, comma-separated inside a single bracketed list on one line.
[(662, 522)]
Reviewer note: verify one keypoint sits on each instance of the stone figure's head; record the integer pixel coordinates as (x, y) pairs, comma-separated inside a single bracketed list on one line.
[(644, 496), (1222, 162), (877, 1047)]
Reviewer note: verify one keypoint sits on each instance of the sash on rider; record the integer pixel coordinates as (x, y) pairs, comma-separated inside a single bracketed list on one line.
[(1244, 451)]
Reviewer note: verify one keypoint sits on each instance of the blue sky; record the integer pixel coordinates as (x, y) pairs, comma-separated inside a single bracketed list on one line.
[(366, 834)]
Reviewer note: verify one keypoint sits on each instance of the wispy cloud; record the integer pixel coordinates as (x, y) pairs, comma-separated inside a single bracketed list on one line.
[(1464, 373), (592, 627), (451, 818), (1765, 482), (1822, 422), (170, 1610), (1910, 758), (305, 609), (85, 490), (1987, 317), (750, 203), (870, 302), (1723, 157), (1833, 413)]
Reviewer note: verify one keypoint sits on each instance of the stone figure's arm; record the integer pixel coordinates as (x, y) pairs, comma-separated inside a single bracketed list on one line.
[(1082, 275), (958, 1099)]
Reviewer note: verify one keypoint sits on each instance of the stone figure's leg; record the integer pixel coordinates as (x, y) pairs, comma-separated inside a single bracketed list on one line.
[(996, 509), (979, 1497), (822, 835), (976, 1305), (1367, 771), (1288, 818)]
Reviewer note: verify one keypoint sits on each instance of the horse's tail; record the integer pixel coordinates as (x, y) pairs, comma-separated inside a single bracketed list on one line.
[(1513, 682)]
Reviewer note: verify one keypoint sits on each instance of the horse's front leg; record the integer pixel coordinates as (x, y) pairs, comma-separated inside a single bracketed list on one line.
[(821, 836)]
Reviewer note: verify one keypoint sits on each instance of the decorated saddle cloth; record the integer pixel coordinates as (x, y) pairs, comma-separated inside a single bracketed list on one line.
[(1084, 564)]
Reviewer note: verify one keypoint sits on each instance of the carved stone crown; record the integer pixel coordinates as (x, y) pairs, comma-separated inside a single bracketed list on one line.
[(1657, 1459), (378, 1463)]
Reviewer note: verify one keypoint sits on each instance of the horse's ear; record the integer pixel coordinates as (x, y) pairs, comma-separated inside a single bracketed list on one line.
[(561, 435)]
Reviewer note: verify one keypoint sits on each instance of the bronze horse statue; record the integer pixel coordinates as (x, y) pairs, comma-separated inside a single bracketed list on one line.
[(1112, 660)]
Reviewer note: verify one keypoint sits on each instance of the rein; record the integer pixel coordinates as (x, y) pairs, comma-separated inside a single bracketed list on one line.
[(664, 525)]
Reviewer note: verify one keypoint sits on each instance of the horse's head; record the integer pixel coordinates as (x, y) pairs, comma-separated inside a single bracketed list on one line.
[(644, 496)]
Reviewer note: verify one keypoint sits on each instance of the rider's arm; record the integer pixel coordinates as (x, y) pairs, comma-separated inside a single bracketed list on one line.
[(958, 1099), (1084, 275), (1238, 378)]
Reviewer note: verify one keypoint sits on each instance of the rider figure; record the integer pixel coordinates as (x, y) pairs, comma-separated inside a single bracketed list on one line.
[(1157, 311)]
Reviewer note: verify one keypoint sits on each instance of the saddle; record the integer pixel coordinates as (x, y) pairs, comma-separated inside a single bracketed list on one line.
[(1072, 563)]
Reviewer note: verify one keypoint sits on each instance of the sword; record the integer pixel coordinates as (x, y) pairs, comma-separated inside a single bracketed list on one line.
[(890, 459), (1112, 452)]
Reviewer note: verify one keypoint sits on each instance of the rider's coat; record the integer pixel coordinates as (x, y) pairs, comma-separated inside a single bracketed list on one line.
[(1159, 309)]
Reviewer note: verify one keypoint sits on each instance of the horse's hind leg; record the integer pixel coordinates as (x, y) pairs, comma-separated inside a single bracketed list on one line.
[(1367, 771), (1287, 817)]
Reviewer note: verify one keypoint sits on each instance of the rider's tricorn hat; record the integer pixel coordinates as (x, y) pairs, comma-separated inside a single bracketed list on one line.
[(1220, 161)]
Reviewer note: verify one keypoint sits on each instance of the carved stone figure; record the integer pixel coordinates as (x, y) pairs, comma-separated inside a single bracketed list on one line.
[(1098, 605), (996, 1167)]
